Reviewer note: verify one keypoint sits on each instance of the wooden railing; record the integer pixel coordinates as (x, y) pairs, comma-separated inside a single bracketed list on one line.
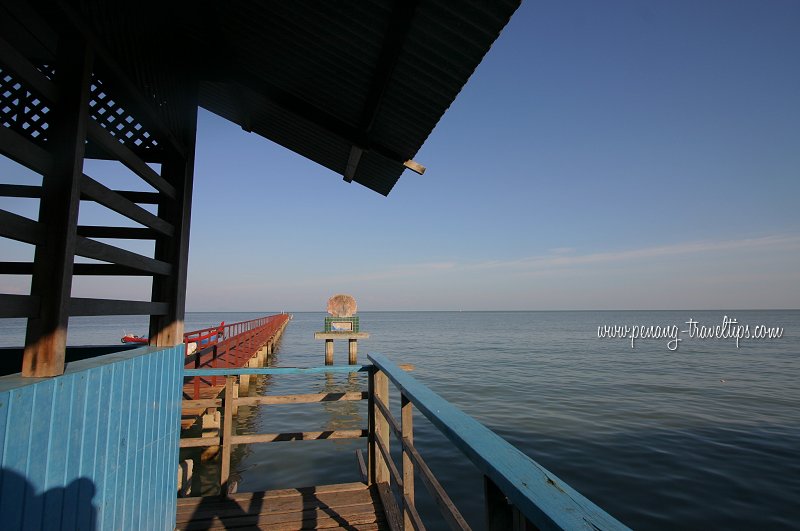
[(228, 345), (519, 493), (230, 402)]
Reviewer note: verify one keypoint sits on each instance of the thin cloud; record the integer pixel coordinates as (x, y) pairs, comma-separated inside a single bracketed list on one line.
[(562, 260)]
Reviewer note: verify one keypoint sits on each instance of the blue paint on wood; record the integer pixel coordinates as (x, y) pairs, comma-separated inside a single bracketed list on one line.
[(276, 370), (545, 500), (95, 448)]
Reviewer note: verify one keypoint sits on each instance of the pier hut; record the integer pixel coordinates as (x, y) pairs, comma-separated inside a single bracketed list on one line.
[(89, 437)]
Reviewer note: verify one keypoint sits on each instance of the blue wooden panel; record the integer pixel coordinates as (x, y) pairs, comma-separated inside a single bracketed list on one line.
[(540, 495), (95, 448)]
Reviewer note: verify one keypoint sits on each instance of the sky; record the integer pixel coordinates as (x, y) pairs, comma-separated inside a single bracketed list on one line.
[(604, 155)]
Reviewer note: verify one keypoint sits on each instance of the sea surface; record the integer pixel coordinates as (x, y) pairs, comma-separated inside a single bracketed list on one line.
[(703, 437)]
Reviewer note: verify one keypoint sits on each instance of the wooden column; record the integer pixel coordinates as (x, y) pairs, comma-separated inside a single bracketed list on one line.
[(380, 468), (51, 284), (329, 352), (407, 429), (167, 330), (229, 405), (352, 351)]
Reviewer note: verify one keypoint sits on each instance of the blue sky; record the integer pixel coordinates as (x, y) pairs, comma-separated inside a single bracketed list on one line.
[(605, 155)]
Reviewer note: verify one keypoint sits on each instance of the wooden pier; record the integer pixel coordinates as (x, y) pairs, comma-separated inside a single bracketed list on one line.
[(244, 344), (519, 493), (353, 506)]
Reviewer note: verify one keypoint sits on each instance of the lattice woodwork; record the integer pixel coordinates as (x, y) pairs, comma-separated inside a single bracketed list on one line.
[(116, 120), (20, 109), (27, 113)]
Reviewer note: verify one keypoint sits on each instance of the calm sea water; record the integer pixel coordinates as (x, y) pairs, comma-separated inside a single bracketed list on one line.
[(707, 436)]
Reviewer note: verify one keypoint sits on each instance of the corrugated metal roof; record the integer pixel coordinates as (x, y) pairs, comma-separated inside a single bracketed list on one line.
[(316, 77)]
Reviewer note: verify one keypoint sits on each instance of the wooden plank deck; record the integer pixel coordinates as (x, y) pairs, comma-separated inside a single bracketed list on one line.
[(353, 506)]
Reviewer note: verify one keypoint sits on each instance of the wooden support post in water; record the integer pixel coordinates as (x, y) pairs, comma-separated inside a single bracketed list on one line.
[(329, 352), (229, 404), (352, 352), (407, 431)]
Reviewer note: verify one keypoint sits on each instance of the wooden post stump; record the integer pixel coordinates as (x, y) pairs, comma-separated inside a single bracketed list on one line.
[(329, 352)]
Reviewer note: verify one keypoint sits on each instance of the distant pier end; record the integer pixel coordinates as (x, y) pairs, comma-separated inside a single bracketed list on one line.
[(343, 323)]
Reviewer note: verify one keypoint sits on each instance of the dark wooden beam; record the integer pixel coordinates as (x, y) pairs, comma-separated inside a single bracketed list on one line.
[(108, 253), (46, 334), (16, 268), (167, 329), (35, 192), (26, 72), (116, 202), (111, 270), (81, 306), (18, 306), (20, 190), (156, 156), (121, 152), (18, 148), (117, 233), (21, 229)]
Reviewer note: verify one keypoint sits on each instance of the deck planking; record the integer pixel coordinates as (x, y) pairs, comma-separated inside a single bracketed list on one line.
[(353, 506)]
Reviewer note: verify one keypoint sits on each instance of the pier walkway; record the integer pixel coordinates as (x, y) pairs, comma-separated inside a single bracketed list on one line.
[(235, 345), (519, 493), (353, 506)]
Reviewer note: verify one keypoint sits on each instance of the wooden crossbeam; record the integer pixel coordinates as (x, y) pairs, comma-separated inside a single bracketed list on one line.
[(20, 228), (116, 202), (18, 148), (18, 306), (119, 233), (107, 142), (28, 73), (89, 248), (35, 192)]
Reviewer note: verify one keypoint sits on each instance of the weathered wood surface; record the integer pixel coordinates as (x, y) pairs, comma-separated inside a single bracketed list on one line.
[(344, 506)]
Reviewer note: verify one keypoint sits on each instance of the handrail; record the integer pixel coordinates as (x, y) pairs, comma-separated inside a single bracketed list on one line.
[(545, 500), (229, 345)]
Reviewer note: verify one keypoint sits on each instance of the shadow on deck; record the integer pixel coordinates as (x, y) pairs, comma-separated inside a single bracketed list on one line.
[(353, 506)]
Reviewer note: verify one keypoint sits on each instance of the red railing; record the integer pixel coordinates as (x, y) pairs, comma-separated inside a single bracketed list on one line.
[(228, 345)]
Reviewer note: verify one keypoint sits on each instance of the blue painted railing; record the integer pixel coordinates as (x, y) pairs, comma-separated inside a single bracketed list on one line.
[(520, 493), (540, 496)]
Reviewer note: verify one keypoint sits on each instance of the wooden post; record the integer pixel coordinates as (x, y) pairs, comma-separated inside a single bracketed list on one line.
[(229, 404), (381, 390), (329, 352), (499, 514), (178, 170), (352, 353), (407, 431), (46, 334)]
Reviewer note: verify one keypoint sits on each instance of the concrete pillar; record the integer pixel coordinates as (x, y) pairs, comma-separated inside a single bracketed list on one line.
[(352, 352), (329, 352)]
